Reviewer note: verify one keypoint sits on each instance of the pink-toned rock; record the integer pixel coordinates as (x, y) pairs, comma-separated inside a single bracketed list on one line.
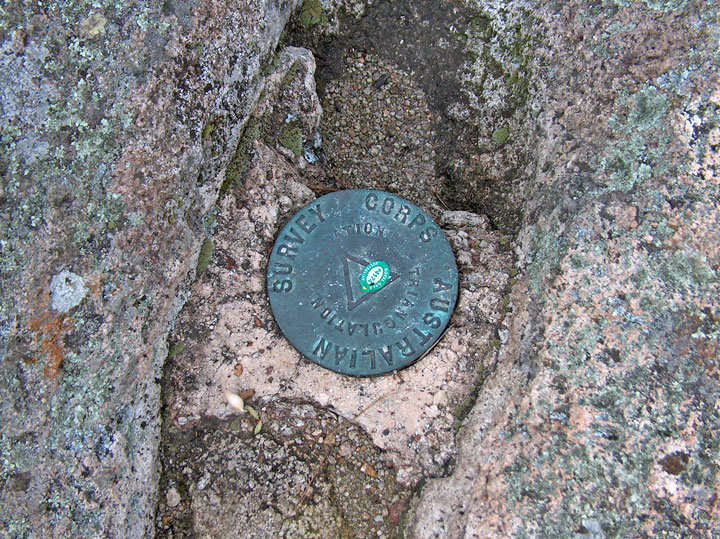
[(117, 118), (600, 418), (409, 414)]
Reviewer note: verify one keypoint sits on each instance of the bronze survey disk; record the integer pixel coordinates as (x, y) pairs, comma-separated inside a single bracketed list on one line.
[(362, 282)]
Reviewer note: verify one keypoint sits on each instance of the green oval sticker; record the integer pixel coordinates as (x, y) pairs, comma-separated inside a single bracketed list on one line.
[(374, 276)]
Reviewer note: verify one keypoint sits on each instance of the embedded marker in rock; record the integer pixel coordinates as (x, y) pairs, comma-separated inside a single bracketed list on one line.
[(362, 282)]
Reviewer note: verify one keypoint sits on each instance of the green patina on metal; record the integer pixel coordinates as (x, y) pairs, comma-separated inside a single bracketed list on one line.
[(362, 282)]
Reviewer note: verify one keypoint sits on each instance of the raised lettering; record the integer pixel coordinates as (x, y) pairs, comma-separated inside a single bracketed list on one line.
[(405, 347), (300, 221), (327, 313), (322, 348), (287, 251), (282, 286), (292, 235), (340, 356), (424, 337), (377, 328), (317, 211), (439, 304), (441, 286), (402, 213), (419, 219), (388, 205), (371, 201), (283, 269), (432, 320), (371, 355), (386, 354), (428, 234)]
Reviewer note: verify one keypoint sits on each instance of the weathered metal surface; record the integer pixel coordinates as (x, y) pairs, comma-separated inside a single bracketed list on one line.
[(362, 282)]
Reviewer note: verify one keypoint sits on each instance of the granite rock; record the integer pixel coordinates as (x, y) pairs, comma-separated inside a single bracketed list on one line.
[(599, 420), (117, 119), (227, 342), (569, 150)]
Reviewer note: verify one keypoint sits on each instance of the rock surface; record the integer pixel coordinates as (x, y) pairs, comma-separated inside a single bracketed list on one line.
[(145, 143), (116, 119), (227, 341), (601, 417)]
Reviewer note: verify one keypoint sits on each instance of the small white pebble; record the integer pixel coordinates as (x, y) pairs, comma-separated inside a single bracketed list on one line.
[(235, 401), (173, 497)]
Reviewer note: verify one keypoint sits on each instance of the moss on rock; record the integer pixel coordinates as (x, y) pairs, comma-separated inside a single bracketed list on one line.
[(292, 139), (312, 13), (500, 135), (238, 163), (206, 252)]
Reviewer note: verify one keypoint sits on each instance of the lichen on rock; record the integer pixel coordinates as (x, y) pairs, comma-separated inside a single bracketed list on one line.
[(105, 172), (605, 430), (569, 150), (67, 290)]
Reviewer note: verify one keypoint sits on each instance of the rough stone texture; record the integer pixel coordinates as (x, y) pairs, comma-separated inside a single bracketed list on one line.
[(601, 418), (116, 120), (227, 341), (467, 137), (586, 135), (227, 328), (392, 150), (306, 473)]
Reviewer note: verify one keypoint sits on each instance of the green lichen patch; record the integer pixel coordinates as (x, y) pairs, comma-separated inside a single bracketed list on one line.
[(502, 53), (500, 135), (238, 163), (312, 13), (291, 138), (481, 26), (658, 5), (206, 252), (499, 77), (547, 252), (638, 153), (650, 107), (289, 77), (176, 348), (584, 470), (208, 130), (627, 163)]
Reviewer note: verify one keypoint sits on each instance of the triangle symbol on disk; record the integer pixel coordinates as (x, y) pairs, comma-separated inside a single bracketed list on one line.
[(352, 268)]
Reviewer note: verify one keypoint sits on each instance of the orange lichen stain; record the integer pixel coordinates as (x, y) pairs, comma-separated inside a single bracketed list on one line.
[(48, 333)]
